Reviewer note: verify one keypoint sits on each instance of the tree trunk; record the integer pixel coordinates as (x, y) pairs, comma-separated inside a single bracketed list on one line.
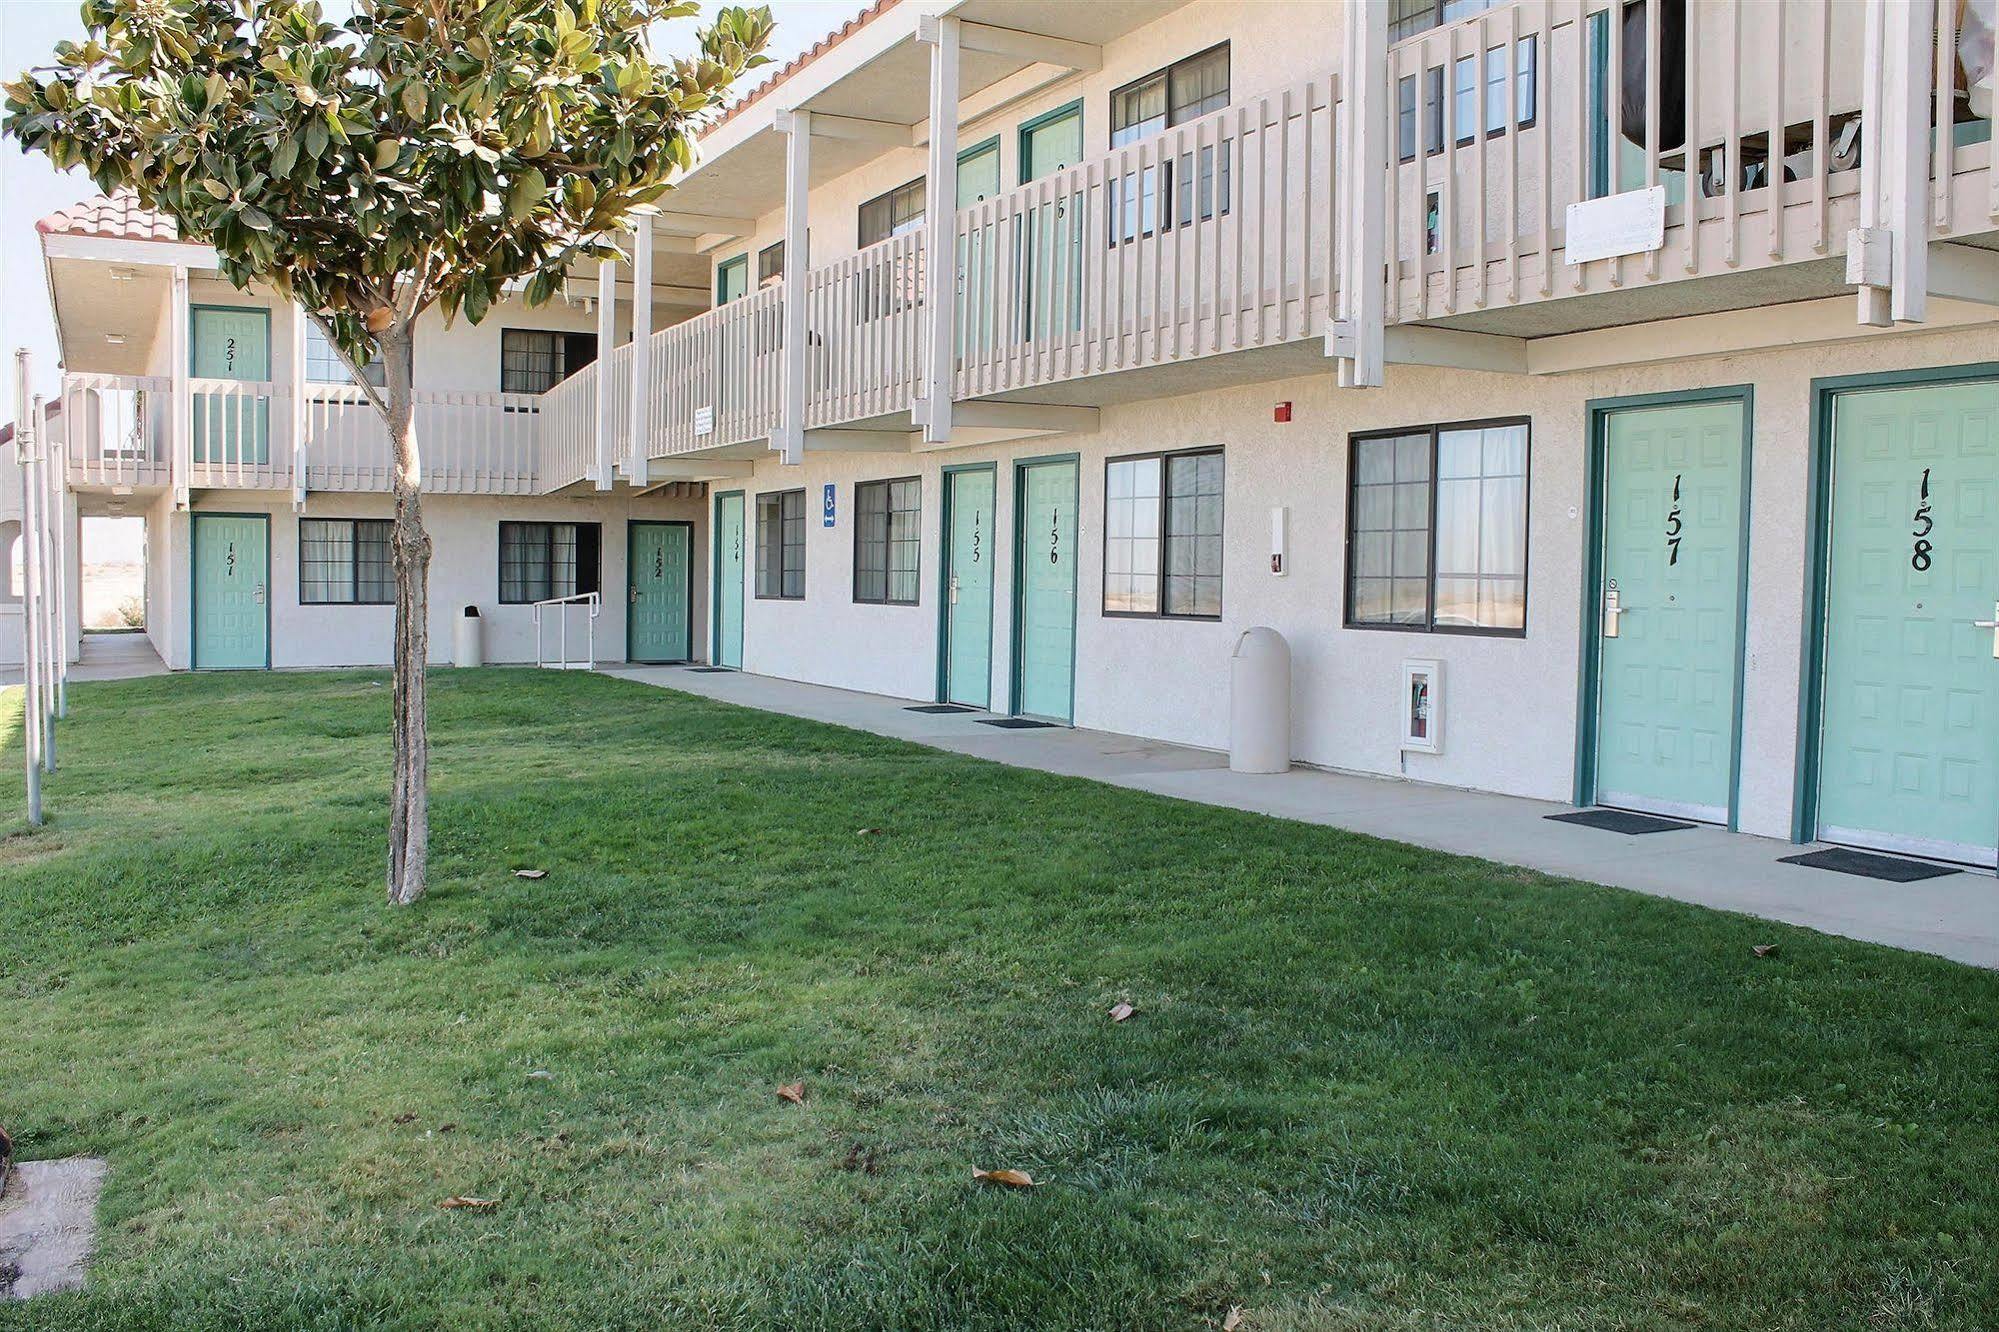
[(409, 547)]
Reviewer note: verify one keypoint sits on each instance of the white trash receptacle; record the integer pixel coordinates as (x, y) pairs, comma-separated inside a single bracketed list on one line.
[(468, 647), (1260, 703)]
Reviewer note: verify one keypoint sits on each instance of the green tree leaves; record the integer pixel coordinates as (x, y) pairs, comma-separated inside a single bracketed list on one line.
[(419, 152)]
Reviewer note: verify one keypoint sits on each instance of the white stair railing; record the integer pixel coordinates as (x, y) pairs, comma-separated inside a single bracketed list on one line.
[(562, 608)]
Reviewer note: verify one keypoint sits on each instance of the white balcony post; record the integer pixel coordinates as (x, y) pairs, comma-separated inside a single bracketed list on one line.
[(298, 408), (607, 341), (940, 227), (1358, 335), (790, 440), (24, 449), (1888, 254), (180, 427), (641, 395)]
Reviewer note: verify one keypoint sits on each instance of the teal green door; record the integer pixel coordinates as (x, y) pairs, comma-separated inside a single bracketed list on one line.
[(1045, 601), (728, 649), (231, 343), (1909, 739), (660, 568), (968, 586), (232, 555), (1051, 273), (1672, 561)]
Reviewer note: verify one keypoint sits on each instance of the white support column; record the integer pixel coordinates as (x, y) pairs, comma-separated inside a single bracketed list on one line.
[(24, 453), (607, 342), (940, 227), (298, 385), (641, 395), (790, 441), (180, 429), (42, 563), (1888, 254), (1358, 338)]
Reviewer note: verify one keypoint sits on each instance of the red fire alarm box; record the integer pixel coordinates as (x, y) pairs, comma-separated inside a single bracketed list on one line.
[(1281, 413)]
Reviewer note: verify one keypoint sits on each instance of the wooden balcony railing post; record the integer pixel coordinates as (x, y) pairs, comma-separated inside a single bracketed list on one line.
[(940, 228), (295, 398), (790, 440)]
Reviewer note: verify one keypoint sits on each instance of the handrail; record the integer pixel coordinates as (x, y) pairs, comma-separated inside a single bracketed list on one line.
[(562, 662)]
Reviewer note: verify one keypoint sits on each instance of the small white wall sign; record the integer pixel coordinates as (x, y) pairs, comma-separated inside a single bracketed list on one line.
[(704, 420), (1630, 223)]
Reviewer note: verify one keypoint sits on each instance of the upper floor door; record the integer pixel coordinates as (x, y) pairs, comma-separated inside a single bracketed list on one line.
[(230, 343)]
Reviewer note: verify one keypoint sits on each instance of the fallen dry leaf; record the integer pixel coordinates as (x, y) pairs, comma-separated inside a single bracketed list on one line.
[(1233, 1319), (1764, 950), (793, 1092), (541, 1073), (459, 1202), (1013, 1179), (1121, 1012), (530, 874), (867, 832), (406, 1117)]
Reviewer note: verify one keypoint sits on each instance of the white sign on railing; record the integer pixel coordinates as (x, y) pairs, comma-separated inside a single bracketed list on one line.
[(1630, 223), (704, 420)]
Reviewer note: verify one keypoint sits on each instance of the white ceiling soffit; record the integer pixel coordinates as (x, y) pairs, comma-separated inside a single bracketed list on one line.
[(881, 73)]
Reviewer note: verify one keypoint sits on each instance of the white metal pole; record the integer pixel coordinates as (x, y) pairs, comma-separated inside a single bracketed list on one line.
[(940, 228), (639, 445), (24, 441), (797, 125), (45, 618), (60, 551), (607, 342)]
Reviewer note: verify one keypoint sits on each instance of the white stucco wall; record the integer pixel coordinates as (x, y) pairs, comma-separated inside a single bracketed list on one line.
[(465, 562), (1510, 704)]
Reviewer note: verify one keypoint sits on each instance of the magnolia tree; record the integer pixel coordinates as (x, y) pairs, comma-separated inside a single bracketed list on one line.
[(416, 153)]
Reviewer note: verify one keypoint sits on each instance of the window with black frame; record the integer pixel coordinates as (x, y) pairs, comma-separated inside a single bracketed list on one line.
[(1437, 529), (770, 264), (345, 561), (888, 518), (781, 545), (324, 366), (1163, 535), (892, 214), (544, 561), (1519, 64), (1185, 90), (535, 360)]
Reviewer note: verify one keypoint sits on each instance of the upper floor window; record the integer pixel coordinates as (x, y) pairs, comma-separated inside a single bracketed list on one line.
[(539, 561), (770, 264), (535, 360), (324, 366), (888, 517), (1437, 529), (1163, 534), (1406, 18), (979, 172), (345, 561), (732, 279), (1181, 92), (1520, 64), (781, 545), (892, 214)]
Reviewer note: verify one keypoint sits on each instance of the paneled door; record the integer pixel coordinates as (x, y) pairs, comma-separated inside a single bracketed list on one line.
[(660, 571), (1670, 607), (231, 557), (969, 495), (1044, 630), (728, 598), (1909, 737), (234, 343)]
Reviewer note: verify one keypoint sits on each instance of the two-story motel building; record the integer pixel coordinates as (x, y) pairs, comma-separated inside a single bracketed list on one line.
[(1627, 369)]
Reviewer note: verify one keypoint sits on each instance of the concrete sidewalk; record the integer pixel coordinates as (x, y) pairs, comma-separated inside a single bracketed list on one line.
[(1956, 916)]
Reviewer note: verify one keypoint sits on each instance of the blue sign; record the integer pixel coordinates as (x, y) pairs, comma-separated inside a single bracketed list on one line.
[(827, 511)]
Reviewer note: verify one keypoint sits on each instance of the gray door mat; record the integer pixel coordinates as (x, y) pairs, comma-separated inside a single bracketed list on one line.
[(1866, 864), (713, 670), (938, 709), (1018, 724), (1620, 821)]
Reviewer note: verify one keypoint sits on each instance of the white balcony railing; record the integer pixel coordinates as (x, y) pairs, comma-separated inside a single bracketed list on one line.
[(864, 319), (1751, 124), (1214, 236), (114, 429), (470, 443)]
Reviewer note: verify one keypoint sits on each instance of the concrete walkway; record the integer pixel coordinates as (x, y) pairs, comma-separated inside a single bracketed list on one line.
[(115, 656), (1956, 916)]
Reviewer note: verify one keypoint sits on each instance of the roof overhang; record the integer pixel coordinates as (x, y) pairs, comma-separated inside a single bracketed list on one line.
[(869, 94)]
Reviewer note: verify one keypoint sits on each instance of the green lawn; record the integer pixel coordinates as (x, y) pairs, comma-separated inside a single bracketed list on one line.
[(1367, 1086)]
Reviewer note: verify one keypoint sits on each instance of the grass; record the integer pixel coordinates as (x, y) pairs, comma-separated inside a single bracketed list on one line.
[(1367, 1087)]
